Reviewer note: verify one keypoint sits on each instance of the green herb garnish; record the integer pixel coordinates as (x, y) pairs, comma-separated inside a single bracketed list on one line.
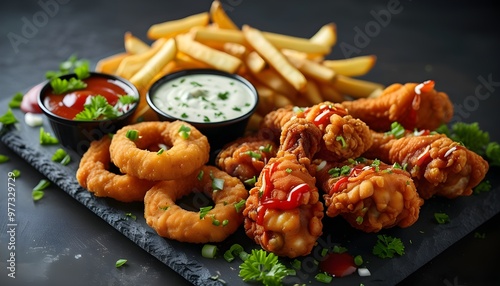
[(16, 100), (209, 251), (263, 267), (97, 109), (60, 86), (8, 118), (37, 192), (61, 156), (132, 134), (239, 206), (475, 139), (204, 211), (120, 262), (441, 218), (387, 246), (3, 158), (46, 138), (184, 131), (397, 130)]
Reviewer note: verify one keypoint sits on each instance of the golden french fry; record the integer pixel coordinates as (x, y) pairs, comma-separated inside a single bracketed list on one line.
[(183, 61), (329, 93), (219, 16), (134, 45), (356, 66), (312, 93), (153, 66), (133, 63), (210, 35), (110, 64), (271, 78), (215, 58), (255, 62), (355, 87), (234, 49), (326, 35), (175, 27), (310, 68), (274, 57)]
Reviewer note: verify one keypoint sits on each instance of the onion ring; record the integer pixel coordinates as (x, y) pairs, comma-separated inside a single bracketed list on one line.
[(174, 222), (94, 175), (184, 156)]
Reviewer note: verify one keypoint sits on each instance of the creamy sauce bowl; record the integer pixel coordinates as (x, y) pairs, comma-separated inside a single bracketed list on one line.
[(219, 104)]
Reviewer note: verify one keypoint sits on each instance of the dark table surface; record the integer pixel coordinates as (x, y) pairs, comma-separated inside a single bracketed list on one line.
[(60, 242)]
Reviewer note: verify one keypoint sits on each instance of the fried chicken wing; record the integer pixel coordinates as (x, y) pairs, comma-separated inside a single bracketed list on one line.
[(413, 105), (245, 157), (369, 194), (343, 135), (283, 212), (438, 165)]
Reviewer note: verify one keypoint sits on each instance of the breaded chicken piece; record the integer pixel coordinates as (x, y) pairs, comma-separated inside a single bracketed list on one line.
[(283, 213), (413, 105), (438, 165), (245, 157), (344, 136), (369, 194)]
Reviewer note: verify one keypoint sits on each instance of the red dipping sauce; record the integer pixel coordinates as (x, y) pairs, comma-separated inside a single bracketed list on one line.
[(68, 105)]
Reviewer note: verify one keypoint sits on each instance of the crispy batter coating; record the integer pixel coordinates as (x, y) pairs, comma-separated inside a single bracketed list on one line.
[(438, 165), (370, 195), (94, 175), (283, 211), (172, 221), (413, 105), (245, 157), (344, 136), (184, 155), (271, 124)]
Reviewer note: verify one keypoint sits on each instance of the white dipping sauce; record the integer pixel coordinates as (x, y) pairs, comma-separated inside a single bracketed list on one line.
[(204, 98)]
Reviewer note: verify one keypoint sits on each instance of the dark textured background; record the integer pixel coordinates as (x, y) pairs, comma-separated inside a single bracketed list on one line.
[(60, 242)]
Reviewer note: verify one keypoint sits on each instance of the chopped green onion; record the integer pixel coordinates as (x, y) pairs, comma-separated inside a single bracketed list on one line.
[(8, 118), (37, 195), (358, 260), (323, 277), (204, 211), (160, 151), (251, 181), (209, 251), (239, 206), (16, 173), (441, 218), (233, 251), (253, 154), (217, 184), (342, 140), (200, 175), (120, 262), (61, 156), (46, 138), (16, 100), (339, 249), (131, 215), (397, 130), (4, 158), (184, 131), (132, 134), (42, 185)]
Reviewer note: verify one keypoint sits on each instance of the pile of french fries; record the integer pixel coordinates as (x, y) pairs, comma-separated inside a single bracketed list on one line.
[(284, 69)]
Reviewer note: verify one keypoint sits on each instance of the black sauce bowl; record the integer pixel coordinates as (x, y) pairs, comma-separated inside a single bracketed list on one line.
[(77, 134), (218, 133)]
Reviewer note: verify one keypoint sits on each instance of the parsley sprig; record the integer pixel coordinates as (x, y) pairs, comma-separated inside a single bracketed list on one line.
[(98, 108), (387, 246), (73, 65), (263, 267)]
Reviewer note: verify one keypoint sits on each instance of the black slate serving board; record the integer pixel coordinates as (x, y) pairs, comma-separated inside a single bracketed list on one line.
[(423, 241)]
